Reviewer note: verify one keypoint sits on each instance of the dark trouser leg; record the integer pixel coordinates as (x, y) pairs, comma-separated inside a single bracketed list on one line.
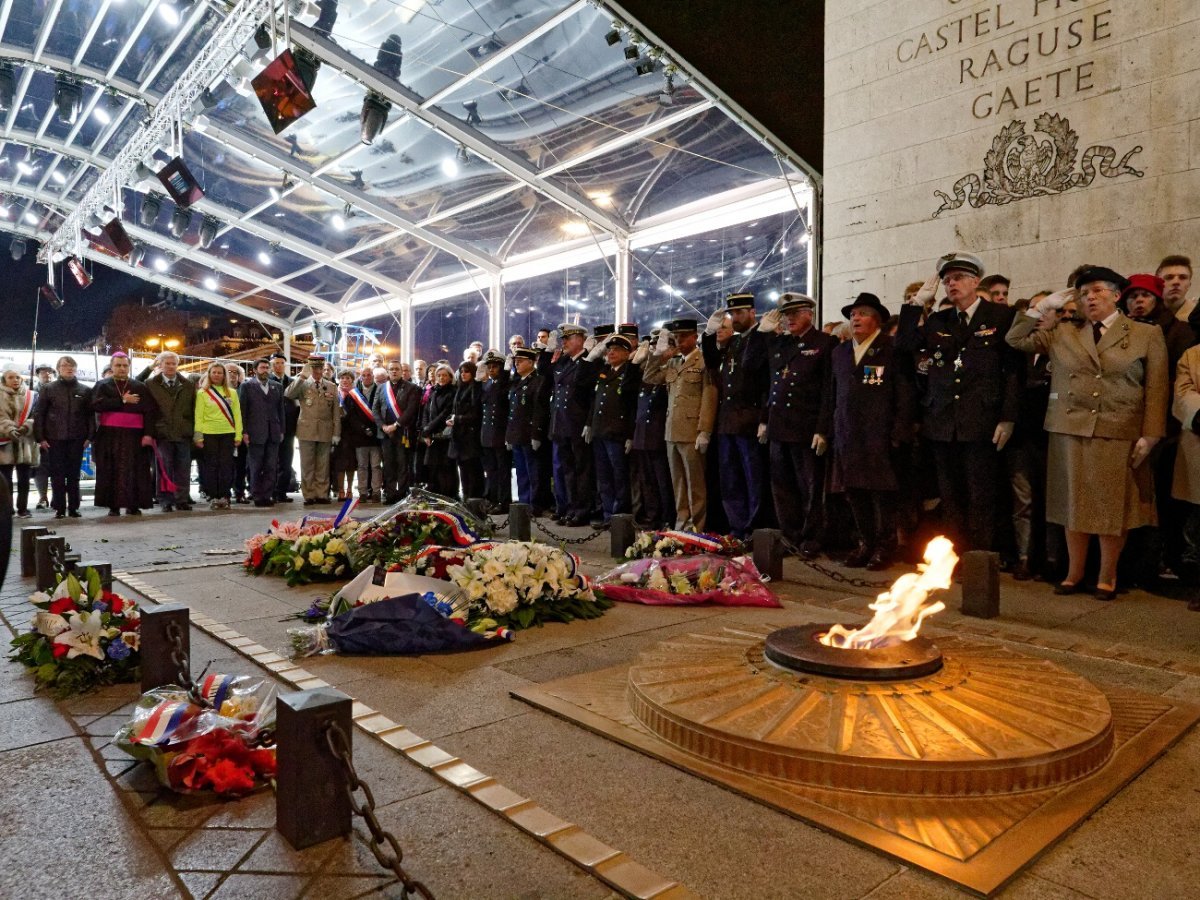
[(796, 474), (661, 476), (605, 477), (564, 478), (967, 473), (395, 469), (285, 474), (526, 462), (24, 473), (875, 517), (65, 458), (263, 461), (614, 487)]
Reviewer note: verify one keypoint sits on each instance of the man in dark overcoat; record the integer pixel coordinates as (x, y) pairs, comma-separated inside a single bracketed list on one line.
[(573, 376), (261, 401)]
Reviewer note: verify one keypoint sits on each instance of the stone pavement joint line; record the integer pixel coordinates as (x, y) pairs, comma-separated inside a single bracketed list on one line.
[(609, 865)]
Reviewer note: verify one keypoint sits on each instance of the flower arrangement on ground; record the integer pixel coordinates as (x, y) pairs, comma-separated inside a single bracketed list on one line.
[(302, 552), (667, 544), (208, 739), (517, 584), (82, 637), (688, 580), (408, 532)]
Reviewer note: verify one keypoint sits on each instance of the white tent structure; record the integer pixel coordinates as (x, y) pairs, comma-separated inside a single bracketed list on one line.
[(530, 162)]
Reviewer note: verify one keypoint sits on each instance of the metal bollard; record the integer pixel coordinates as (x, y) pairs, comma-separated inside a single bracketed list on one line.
[(103, 569), (768, 552), (519, 521), (28, 562), (45, 548), (478, 506), (158, 666), (71, 563), (312, 796), (621, 535), (981, 584)]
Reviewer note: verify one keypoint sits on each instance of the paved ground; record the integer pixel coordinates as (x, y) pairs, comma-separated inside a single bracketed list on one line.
[(60, 777)]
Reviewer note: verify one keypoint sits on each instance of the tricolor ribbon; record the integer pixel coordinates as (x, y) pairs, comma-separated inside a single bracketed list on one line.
[(390, 396), (22, 415), (361, 402), (347, 508), (691, 539), (163, 720), (215, 689), (222, 404)]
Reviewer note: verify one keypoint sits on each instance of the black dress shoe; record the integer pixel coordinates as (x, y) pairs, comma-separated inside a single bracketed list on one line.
[(133, 512), (1105, 593), (1020, 571), (63, 515), (262, 503), (170, 507), (858, 558), (879, 561), (310, 502), (113, 513), (184, 507), (809, 550), (1063, 589), (74, 514), (285, 499)]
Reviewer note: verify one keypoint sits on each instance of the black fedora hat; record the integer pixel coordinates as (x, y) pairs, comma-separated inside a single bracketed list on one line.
[(871, 302)]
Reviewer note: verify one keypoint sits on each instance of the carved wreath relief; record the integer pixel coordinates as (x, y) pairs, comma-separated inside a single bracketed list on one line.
[(1020, 166)]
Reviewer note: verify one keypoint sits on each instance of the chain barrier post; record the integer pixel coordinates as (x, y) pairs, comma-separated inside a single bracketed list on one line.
[(166, 645), (70, 564), (28, 561), (981, 584), (621, 535), (768, 552), (519, 518), (103, 569), (312, 795), (48, 550)]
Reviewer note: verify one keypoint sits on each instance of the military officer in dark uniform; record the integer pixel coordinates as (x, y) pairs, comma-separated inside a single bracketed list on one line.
[(743, 377), (574, 378), (497, 459), (972, 395), (797, 418), (653, 500), (873, 402), (610, 428), (526, 428)]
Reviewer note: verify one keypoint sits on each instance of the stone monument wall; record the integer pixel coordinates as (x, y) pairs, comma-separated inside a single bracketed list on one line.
[(1039, 134)]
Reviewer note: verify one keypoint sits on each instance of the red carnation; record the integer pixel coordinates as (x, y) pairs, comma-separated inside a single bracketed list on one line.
[(228, 778), (59, 650), (62, 605), (256, 557), (115, 603)]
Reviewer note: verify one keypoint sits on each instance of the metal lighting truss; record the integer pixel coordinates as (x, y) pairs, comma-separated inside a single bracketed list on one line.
[(210, 63)]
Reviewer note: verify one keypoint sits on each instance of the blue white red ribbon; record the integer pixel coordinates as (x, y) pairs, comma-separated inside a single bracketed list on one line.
[(163, 720), (215, 689), (347, 508)]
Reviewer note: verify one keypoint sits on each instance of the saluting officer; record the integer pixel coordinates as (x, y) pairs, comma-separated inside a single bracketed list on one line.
[(972, 394), (574, 379), (526, 428), (653, 503), (797, 418), (318, 429), (497, 459), (610, 429), (691, 414), (743, 376)]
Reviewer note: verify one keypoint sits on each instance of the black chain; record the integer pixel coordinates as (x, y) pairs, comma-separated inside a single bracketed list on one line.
[(390, 856), (179, 658), (835, 575), (58, 560), (564, 540)]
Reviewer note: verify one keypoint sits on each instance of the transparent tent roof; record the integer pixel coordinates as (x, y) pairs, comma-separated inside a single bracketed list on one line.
[(522, 138)]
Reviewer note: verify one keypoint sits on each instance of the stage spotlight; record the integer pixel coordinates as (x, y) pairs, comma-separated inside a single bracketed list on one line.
[(472, 108), (389, 58), (137, 255), (373, 117), (462, 156), (614, 36), (8, 86), (180, 220), (262, 37), (180, 183), (151, 207), (645, 67), (667, 96), (68, 98), (47, 293), (329, 11), (81, 274), (17, 248), (209, 226), (632, 52)]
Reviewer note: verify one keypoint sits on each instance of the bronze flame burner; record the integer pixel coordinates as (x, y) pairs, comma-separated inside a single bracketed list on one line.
[(799, 649)]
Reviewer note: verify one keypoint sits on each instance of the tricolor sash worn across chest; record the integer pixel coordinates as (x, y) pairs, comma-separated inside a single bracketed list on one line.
[(389, 397), (222, 404), (361, 402), (22, 415)]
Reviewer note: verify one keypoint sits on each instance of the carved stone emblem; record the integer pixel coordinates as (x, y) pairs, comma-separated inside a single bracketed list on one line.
[(1021, 165)]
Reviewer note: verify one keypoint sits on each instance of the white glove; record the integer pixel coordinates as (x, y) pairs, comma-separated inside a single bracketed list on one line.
[(769, 323), (664, 342), (535, 444), (701, 441), (762, 434), (628, 446), (1004, 431), (508, 446), (597, 351), (927, 292), (1141, 450), (552, 341), (640, 354), (714, 322), (820, 444), (335, 440), (587, 434), (1053, 303)]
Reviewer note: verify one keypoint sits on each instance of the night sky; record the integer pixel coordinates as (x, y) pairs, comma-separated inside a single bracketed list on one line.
[(83, 313)]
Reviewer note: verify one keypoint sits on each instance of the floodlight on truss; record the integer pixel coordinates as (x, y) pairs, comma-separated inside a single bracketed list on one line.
[(208, 64), (8, 86)]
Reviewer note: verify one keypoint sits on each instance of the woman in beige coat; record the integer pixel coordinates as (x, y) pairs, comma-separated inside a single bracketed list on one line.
[(1108, 406), (1186, 483), (17, 447)]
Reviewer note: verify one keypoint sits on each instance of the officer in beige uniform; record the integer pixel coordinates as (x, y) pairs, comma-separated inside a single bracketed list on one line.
[(318, 429), (678, 363)]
